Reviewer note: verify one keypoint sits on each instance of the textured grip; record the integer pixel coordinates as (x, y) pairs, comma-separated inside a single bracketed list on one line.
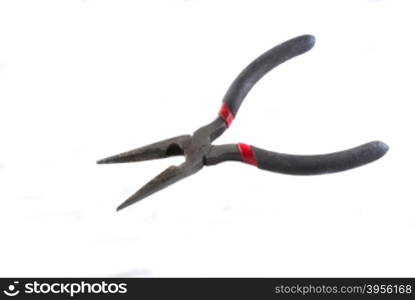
[(298, 164), (320, 164), (258, 68)]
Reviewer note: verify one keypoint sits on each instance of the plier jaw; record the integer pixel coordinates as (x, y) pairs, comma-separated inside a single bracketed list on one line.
[(199, 151), (162, 149), (194, 148)]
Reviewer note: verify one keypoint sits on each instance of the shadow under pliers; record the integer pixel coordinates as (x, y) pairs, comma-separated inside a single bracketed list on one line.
[(199, 151)]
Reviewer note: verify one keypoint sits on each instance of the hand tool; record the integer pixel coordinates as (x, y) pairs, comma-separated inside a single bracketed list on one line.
[(199, 151)]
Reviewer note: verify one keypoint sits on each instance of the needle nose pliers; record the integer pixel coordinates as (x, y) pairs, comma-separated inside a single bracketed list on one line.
[(199, 151)]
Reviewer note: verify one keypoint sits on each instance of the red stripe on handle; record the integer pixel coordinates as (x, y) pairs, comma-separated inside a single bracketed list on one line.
[(226, 114), (247, 154)]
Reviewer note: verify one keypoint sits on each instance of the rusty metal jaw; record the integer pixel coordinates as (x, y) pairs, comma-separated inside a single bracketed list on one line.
[(194, 148)]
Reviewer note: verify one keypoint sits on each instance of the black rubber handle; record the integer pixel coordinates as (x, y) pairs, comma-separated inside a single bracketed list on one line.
[(300, 164), (262, 65)]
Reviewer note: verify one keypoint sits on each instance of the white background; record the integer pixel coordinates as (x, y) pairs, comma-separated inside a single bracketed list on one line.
[(81, 80)]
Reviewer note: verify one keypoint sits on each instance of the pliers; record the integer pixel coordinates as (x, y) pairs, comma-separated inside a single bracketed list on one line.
[(199, 151)]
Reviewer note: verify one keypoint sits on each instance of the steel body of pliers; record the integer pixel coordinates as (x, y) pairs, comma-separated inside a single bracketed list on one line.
[(199, 151)]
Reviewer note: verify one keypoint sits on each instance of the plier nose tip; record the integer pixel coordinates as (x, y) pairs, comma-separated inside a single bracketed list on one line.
[(169, 176)]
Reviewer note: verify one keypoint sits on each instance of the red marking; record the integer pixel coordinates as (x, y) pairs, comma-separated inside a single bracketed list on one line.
[(247, 154), (226, 114)]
